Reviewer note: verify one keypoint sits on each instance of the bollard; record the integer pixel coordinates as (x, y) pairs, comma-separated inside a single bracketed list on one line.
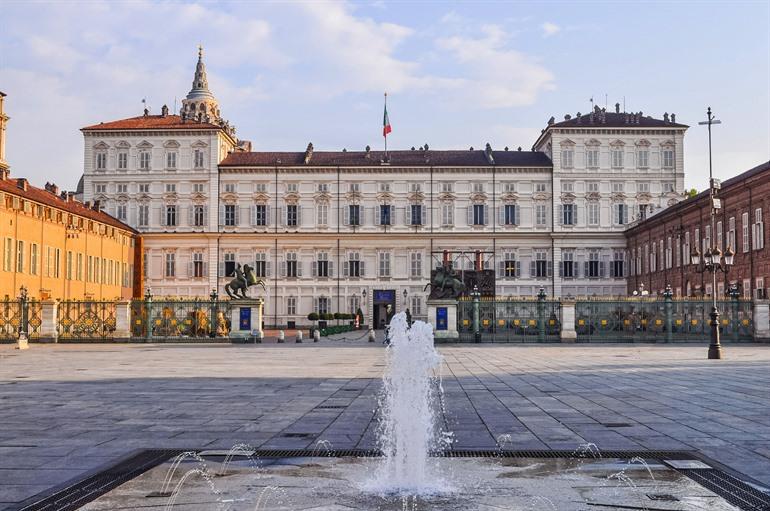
[(22, 343), (371, 334), (316, 335), (280, 336), (299, 336)]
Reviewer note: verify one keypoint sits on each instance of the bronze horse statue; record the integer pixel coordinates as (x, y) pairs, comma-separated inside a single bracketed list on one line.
[(445, 284), (244, 278)]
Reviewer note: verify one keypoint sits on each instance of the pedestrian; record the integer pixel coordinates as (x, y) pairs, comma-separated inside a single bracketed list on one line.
[(389, 315)]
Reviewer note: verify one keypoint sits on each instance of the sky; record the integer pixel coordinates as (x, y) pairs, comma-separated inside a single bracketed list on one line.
[(458, 74)]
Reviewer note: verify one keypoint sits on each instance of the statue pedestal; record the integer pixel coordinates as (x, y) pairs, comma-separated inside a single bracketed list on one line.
[(246, 319), (442, 314)]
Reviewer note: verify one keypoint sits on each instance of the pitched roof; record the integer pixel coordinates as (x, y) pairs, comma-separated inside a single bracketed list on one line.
[(42, 196), (615, 120), (416, 158), (153, 122)]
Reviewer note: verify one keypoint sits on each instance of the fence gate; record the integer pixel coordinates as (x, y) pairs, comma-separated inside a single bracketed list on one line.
[(13, 313), (180, 319), (86, 319), (511, 320)]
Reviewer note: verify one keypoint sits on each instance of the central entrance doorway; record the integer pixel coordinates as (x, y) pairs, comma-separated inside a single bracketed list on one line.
[(383, 298)]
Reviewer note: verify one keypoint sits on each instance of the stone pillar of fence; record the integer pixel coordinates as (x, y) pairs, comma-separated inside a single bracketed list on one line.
[(568, 333), (122, 321), (761, 320), (48, 321)]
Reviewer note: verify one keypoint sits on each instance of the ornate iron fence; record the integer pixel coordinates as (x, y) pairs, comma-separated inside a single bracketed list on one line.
[(650, 319), (180, 319), (511, 320), (87, 319), (12, 314)]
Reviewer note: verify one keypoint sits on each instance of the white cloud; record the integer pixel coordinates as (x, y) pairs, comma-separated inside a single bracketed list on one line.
[(549, 29)]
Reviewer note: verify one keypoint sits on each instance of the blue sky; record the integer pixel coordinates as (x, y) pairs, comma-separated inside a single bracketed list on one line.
[(458, 74)]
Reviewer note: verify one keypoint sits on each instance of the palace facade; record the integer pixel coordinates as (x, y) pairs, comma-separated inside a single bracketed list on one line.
[(334, 231)]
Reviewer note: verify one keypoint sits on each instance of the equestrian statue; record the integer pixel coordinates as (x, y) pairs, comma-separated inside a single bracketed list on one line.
[(445, 283), (244, 278)]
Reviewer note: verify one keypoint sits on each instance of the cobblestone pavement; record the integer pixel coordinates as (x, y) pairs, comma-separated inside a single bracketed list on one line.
[(68, 409)]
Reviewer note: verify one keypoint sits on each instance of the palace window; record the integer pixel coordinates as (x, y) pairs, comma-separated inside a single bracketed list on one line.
[(322, 187), (668, 187), (592, 186), (322, 266), (384, 267), (668, 158), (260, 188), (122, 212), (353, 215), (292, 215), (719, 236), (511, 267), (415, 187), (567, 186), (540, 187), (231, 215), (618, 264), (260, 214), (593, 213), (416, 213), (354, 267), (759, 230), (170, 264), (354, 303), (144, 160), (593, 266), (122, 160), (643, 158), (292, 187), (354, 187), (198, 265), (170, 187), (567, 158), (510, 214), (385, 187), (144, 215), (229, 187), (541, 215), (416, 302), (386, 214), (509, 187), (199, 215), (122, 188), (569, 214), (745, 226), (171, 160), (79, 266), (322, 213), (100, 188), (144, 187), (34, 258), (447, 187), (447, 214), (478, 212), (198, 159), (568, 264), (415, 264), (643, 187), (322, 305), (592, 158), (198, 187), (229, 266), (20, 256), (291, 305), (617, 157), (621, 214), (541, 268), (170, 215), (478, 187), (261, 266), (731, 233), (101, 160), (292, 265)]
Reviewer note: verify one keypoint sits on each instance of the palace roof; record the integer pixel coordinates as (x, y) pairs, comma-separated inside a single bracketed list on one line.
[(21, 187), (616, 120), (153, 122), (414, 158)]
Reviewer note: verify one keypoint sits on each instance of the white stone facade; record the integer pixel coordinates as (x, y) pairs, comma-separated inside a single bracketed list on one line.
[(289, 214)]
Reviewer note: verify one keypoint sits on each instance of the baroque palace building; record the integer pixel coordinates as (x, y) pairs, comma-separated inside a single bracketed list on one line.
[(334, 231), (59, 248)]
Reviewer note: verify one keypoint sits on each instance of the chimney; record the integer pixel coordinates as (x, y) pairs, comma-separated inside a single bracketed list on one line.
[(87, 204), (70, 196), (551, 120), (479, 262), (164, 111), (578, 118), (22, 184), (4, 173), (617, 108), (51, 187), (488, 154), (368, 154), (309, 152), (673, 117), (95, 205), (567, 117)]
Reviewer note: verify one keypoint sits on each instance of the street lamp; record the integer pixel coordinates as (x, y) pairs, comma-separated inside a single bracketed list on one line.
[(712, 259)]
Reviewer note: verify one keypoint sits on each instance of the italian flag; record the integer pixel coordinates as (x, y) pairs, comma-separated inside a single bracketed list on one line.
[(386, 122)]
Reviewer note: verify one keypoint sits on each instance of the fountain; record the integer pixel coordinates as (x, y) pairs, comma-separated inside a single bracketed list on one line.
[(415, 471)]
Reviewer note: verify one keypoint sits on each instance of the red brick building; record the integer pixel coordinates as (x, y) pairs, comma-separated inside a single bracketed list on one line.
[(659, 248)]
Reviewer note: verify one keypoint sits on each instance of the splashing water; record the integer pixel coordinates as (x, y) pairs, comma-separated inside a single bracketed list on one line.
[(408, 429), (175, 465), (238, 449), (178, 489)]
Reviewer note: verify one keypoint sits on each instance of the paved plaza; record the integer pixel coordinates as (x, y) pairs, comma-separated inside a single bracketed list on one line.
[(69, 409)]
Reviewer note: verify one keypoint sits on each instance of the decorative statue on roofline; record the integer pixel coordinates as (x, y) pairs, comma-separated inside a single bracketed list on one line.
[(244, 278)]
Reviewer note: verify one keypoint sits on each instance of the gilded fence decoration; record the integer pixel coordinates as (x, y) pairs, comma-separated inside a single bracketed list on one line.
[(180, 319), (86, 319), (11, 318), (511, 320)]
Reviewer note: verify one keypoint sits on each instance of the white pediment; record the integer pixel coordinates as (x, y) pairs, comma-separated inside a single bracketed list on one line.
[(171, 144), (643, 143), (593, 142), (101, 145), (144, 145), (199, 144), (123, 145)]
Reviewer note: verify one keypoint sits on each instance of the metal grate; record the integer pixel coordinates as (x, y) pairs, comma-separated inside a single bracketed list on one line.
[(73, 495)]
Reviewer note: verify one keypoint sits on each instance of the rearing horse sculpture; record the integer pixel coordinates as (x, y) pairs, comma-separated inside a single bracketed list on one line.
[(244, 278)]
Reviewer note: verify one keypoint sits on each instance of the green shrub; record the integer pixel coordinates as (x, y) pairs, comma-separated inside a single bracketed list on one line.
[(313, 316)]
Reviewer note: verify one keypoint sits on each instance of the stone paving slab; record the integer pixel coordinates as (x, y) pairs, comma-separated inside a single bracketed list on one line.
[(68, 409)]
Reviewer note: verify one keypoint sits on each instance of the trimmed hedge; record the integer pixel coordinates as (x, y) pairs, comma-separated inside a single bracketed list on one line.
[(336, 329)]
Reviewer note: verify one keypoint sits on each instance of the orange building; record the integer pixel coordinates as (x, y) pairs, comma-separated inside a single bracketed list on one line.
[(59, 248)]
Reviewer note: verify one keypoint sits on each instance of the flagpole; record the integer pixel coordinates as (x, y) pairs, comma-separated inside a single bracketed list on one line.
[(385, 134)]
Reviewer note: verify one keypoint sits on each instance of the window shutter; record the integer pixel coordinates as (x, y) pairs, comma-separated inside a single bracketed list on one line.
[(486, 215), (362, 268), (550, 268), (561, 214), (408, 215), (299, 267), (268, 269), (331, 268), (315, 305), (222, 269), (470, 214), (561, 268), (281, 220), (518, 268), (299, 216), (574, 214), (586, 271), (237, 215), (191, 215), (162, 217), (205, 269), (602, 269), (346, 215), (190, 269), (501, 269), (533, 269), (222, 215), (267, 214), (253, 214), (345, 268), (424, 211), (501, 215), (314, 268), (516, 214), (283, 268)]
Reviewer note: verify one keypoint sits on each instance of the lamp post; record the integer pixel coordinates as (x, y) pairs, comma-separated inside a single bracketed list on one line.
[(712, 259), (713, 262)]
